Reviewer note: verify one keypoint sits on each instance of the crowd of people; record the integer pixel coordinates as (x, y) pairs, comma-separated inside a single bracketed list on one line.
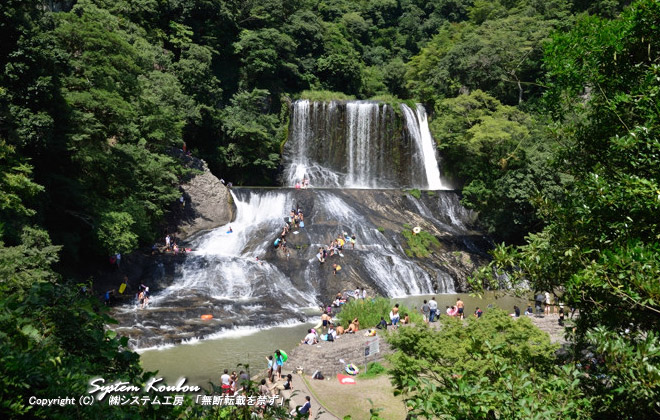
[(336, 247), (295, 220)]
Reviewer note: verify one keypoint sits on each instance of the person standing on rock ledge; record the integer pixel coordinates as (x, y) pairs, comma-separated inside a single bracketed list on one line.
[(426, 311)]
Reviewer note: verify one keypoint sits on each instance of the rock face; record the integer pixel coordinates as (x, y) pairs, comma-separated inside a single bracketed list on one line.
[(208, 203)]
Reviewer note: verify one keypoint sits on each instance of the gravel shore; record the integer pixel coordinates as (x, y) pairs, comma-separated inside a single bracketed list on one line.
[(550, 324)]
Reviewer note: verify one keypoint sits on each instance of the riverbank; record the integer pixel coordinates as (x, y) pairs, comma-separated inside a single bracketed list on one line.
[(331, 357), (550, 325)]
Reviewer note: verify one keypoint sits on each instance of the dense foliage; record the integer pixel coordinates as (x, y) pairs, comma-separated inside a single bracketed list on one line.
[(492, 367), (600, 247)]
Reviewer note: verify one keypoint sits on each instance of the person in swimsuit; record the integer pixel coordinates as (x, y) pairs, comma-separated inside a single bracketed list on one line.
[(460, 305), (354, 326), (325, 320)]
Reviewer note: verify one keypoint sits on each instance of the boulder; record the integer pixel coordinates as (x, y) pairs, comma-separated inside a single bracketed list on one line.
[(208, 203)]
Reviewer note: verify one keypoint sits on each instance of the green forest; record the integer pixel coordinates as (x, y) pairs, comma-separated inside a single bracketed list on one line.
[(545, 114)]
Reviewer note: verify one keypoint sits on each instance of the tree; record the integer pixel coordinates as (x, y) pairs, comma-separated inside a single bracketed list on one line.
[(251, 136), (502, 156), (492, 367), (267, 58), (600, 246), (16, 190), (501, 57)]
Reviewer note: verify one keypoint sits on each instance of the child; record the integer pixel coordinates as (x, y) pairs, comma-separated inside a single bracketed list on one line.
[(270, 368)]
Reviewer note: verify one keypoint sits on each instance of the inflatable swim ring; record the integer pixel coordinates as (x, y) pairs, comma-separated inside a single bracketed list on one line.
[(206, 316), (417, 229), (284, 355), (351, 369)]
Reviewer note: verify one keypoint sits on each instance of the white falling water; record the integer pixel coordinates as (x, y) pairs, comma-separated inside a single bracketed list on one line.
[(359, 144), (301, 131), (253, 213), (418, 128), (359, 116), (224, 265), (429, 151), (387, 266)]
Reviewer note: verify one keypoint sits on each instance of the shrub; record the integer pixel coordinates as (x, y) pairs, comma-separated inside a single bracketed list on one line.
[(325, 96), (374, 369), (415, 193), (420, 245), (369, 312), (492, 367)]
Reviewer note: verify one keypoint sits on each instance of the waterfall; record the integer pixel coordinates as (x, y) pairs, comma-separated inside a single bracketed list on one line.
[(360, 144), (428, 151), (243, 280), (362, 153)]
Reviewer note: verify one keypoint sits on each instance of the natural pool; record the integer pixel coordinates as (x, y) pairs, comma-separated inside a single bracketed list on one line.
[(204, 360)]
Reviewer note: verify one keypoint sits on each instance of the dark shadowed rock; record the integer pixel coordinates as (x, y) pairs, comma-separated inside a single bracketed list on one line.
[(208, 204)]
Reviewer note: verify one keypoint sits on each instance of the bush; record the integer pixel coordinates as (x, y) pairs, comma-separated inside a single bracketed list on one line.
[(369, 312), (492, 367), (415, 193), (420, 245), (374, 369)]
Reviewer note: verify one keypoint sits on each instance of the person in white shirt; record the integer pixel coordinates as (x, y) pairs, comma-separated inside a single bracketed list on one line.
[(310, 338), (433, 306), (225, 381)]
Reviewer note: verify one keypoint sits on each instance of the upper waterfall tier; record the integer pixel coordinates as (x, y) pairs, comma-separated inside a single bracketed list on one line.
[(360, 144)]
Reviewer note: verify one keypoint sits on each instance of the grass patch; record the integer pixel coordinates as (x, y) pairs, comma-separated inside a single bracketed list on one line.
[(381, 229), (325, 96), (415, 193), (369, 312), (420, 245), (431, 193), (374, 369)]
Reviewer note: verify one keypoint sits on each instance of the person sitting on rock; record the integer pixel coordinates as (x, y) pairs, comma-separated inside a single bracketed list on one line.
[(332, 333), (354, 326), (335, 268), (382, 325), (310, 338)]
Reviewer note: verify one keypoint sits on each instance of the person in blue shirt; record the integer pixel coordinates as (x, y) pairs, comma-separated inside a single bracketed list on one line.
[(306, 409), (382, 325)]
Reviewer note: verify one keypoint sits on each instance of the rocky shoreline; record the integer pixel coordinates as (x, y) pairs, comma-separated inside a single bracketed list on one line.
[(326, 357)]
